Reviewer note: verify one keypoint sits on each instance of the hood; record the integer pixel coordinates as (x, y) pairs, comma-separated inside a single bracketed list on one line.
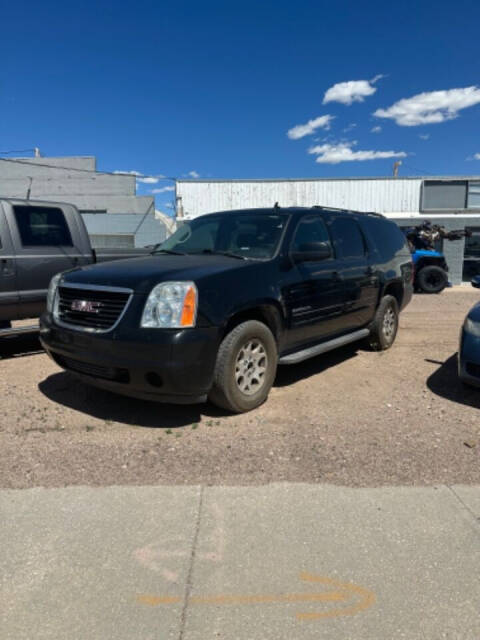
[(142, 274)]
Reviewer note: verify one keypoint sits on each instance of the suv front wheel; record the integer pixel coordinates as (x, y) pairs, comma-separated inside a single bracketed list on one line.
[(245, 368), (385, 325)]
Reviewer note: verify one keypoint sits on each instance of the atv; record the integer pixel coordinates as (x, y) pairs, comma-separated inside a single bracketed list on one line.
[(431, 270)]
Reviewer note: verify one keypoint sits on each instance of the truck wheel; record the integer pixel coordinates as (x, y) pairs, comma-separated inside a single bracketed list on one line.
[(432, 279), (385, 325), (245, 368)]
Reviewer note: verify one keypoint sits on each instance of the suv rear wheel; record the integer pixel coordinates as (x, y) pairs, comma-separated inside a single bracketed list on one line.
[(385, 325), (245, 368)]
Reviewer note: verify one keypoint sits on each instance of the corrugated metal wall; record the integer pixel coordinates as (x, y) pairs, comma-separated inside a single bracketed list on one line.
[(399, 195)]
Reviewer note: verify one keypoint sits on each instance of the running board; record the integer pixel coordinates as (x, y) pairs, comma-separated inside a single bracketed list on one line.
[(304, 354), (16, 331)]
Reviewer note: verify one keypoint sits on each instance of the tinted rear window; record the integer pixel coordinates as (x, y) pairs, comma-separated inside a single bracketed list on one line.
[(386, 235), (42, 226), (348, 238)]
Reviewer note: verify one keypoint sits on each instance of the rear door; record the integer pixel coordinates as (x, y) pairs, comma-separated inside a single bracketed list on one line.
[(313, 291), (357, 271), (44, 245), (8, 288)]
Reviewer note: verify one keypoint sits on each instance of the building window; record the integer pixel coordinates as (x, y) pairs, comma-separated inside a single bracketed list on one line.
[(471, 261), (473, 195), (438, 195)]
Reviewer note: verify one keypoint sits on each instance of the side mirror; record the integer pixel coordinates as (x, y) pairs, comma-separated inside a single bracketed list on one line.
[(312, 252), (476, 282)]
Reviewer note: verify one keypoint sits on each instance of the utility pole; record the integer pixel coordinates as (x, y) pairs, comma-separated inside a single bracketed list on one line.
[(396, 166)]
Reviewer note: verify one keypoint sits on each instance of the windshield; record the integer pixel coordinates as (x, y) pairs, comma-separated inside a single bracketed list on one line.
[(244, 235)]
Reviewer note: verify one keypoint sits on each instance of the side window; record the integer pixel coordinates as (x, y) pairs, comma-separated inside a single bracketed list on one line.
[(348, 238), (310, 229), (386, 236), (42, 226)]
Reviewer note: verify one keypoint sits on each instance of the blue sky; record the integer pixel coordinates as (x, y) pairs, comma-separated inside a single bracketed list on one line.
[(213, 88)]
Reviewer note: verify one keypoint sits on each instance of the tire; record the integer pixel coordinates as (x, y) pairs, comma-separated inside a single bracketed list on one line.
[(432, 279), (385, 325), (248, 347)]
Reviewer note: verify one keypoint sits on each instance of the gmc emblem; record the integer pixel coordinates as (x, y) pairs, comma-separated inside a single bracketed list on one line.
[(87, 306)]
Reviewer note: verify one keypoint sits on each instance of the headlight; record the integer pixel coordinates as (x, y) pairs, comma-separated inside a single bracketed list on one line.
[(472, 327), (52, 290), (171, 305)]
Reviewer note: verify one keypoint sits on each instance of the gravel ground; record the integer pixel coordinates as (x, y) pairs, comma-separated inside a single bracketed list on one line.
[(352, 417)]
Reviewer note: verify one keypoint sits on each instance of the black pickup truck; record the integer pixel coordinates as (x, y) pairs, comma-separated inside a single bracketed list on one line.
[(38, 240), (225, 299)]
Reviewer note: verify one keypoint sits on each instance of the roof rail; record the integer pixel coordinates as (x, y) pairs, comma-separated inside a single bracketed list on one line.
[(365, 213)]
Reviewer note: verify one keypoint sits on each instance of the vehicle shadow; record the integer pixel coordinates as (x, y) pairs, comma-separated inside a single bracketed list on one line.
[(445, 382), (18, 346), (289, 374), (66, 390)]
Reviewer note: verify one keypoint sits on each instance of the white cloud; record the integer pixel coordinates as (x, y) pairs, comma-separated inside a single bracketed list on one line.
[(301, 130), (193, 174), (424, 136), (351, 91), (349, 127), (141, 177), (148, 180), (169, 205), (431, 107), (163, 189), (343, 152), (476, 156), (376, 129)]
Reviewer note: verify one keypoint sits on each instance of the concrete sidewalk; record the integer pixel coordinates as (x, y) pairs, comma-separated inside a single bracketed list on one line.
[(276, 562)]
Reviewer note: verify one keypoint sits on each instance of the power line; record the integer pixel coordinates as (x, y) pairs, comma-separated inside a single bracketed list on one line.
[(4, 153), (108, 173), (419, 171)]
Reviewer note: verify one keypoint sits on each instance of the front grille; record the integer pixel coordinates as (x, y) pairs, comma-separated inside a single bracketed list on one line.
[(473, 369), (91, 309), (95, 370)]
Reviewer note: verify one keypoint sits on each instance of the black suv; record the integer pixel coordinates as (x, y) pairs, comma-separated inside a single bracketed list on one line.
[(228, 297)]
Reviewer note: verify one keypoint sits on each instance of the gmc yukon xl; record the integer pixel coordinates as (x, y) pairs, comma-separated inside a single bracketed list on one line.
[(228, 297)]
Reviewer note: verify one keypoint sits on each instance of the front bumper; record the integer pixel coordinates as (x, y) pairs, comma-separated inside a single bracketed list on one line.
[(152, 364), (469, 359)]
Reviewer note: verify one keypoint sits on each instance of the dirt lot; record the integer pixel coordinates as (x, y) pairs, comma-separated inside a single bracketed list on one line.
[(352, 417)]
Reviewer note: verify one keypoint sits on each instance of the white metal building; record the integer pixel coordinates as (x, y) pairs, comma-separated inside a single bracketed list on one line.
[(453, 201)]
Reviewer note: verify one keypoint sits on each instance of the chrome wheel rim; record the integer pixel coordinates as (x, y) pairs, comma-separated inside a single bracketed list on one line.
[(389, 323), (250, 367)]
